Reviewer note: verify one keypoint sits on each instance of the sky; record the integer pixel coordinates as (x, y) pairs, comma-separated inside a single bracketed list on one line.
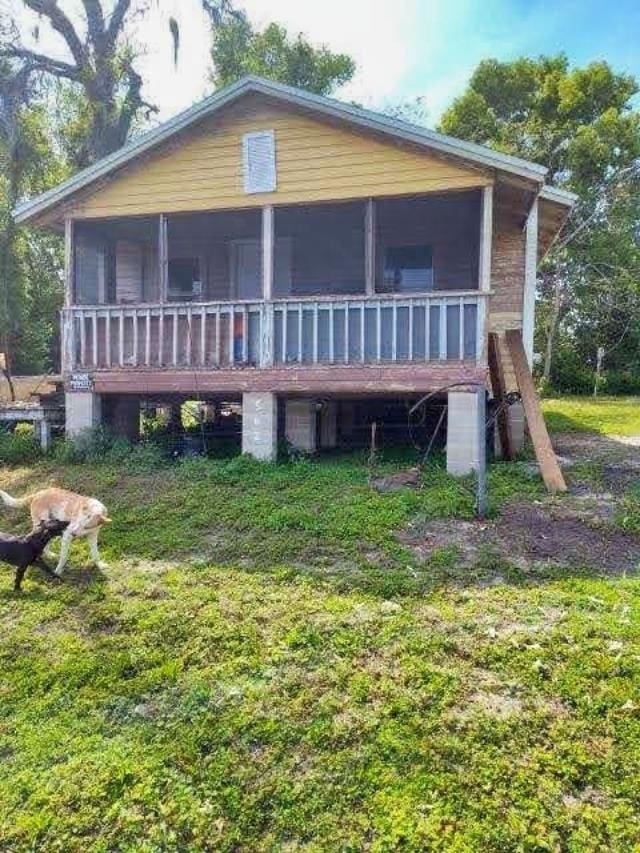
[(403, 49)]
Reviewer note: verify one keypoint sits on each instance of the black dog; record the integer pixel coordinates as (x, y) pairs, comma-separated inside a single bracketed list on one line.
[(25, 551)]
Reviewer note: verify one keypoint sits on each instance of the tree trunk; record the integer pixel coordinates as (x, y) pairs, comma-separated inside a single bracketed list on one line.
[(7, 268), (556, 307)]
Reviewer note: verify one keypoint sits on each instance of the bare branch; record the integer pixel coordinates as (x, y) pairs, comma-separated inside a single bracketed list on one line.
[(95, 20), (61, 24), (117, 19), (42, 62)]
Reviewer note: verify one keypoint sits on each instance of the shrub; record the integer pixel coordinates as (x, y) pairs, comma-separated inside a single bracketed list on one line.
[(101, 445), (18, 447), (620, 382), (570, 374)]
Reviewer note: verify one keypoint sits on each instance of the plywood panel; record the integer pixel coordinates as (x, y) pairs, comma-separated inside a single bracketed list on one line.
[(316, 161)]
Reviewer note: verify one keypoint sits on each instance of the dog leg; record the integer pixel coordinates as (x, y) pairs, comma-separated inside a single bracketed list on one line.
[(65, 544), (92, 539), (41, 564), (17, 584)]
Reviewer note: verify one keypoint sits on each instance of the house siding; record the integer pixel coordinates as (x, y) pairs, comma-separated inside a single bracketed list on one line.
[(316, 161)]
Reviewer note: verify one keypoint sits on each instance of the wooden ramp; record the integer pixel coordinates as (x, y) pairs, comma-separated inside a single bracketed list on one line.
[(551, 473)]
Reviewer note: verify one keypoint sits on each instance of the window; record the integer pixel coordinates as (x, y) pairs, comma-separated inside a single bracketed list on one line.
[(259, 161), (408, 268), (184, 277)]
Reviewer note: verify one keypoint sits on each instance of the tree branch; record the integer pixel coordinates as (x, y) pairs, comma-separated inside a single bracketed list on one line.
[(40, 61), (117, 19), (61, 24), (95, 20)]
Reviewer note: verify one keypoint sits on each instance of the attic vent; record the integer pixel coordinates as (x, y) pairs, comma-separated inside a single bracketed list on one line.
[(259, 156)]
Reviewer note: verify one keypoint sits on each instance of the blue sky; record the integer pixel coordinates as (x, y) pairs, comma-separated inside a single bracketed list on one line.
[(403, 48), (466, 32)]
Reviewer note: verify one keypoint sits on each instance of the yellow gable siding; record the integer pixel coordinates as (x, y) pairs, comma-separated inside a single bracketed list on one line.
[(315, 161)]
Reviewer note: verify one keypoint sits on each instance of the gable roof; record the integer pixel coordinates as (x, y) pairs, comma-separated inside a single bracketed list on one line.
[(395, 128)]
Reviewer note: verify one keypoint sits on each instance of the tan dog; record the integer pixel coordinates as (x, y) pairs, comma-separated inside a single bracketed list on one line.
[(85, 516)]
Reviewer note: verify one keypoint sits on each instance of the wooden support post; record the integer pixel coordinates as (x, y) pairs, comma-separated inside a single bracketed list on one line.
[(486, 230), (267, 252), (530, 270), (551, 473), (69, 262), (267, 344), (499, 387), (484, 270), (163, 258), (370, 247)]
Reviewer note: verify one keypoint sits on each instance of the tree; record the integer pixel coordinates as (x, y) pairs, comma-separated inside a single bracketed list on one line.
[(239, 49), (82, 106), (581, 124), (100, 64), (103, 86), (30, 264)]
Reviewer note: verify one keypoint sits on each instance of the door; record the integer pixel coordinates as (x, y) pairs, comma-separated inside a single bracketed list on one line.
[(246, 265), (246, 268)]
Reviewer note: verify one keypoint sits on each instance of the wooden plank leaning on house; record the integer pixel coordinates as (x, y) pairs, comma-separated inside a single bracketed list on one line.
[(551, 473), (499, 387)]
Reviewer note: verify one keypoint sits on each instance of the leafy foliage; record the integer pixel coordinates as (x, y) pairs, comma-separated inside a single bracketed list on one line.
[(580, 122), (239, 49), (30, 261)]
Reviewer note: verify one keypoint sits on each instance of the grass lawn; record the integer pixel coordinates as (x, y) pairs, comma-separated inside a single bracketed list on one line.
[(605, 415), (264, 666)]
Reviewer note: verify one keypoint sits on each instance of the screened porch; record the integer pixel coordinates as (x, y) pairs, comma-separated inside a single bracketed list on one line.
[(355, 282)]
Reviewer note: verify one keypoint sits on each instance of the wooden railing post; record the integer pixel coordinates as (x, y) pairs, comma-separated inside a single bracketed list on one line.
[(68, 340)]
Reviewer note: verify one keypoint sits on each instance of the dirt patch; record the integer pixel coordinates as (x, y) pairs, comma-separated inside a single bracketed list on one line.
[(575, 531), (399, 480), (616, 458), (528, 534)]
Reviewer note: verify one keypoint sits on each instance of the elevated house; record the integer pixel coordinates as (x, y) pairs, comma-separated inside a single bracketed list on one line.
[(276, 248)]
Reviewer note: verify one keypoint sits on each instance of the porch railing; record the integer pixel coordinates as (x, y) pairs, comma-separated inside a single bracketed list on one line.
[(332, 330)]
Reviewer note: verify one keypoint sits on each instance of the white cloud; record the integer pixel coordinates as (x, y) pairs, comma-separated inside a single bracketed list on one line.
[(402, 48), (373, 32)]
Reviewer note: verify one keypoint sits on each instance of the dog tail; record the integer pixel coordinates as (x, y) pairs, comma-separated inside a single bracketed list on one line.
[(15, 502)]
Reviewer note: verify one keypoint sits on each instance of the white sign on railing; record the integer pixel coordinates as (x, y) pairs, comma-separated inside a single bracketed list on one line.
[(81, 382)]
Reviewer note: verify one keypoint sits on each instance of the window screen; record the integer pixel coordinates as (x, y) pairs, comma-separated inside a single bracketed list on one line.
[(259, 156), (408, 268)]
